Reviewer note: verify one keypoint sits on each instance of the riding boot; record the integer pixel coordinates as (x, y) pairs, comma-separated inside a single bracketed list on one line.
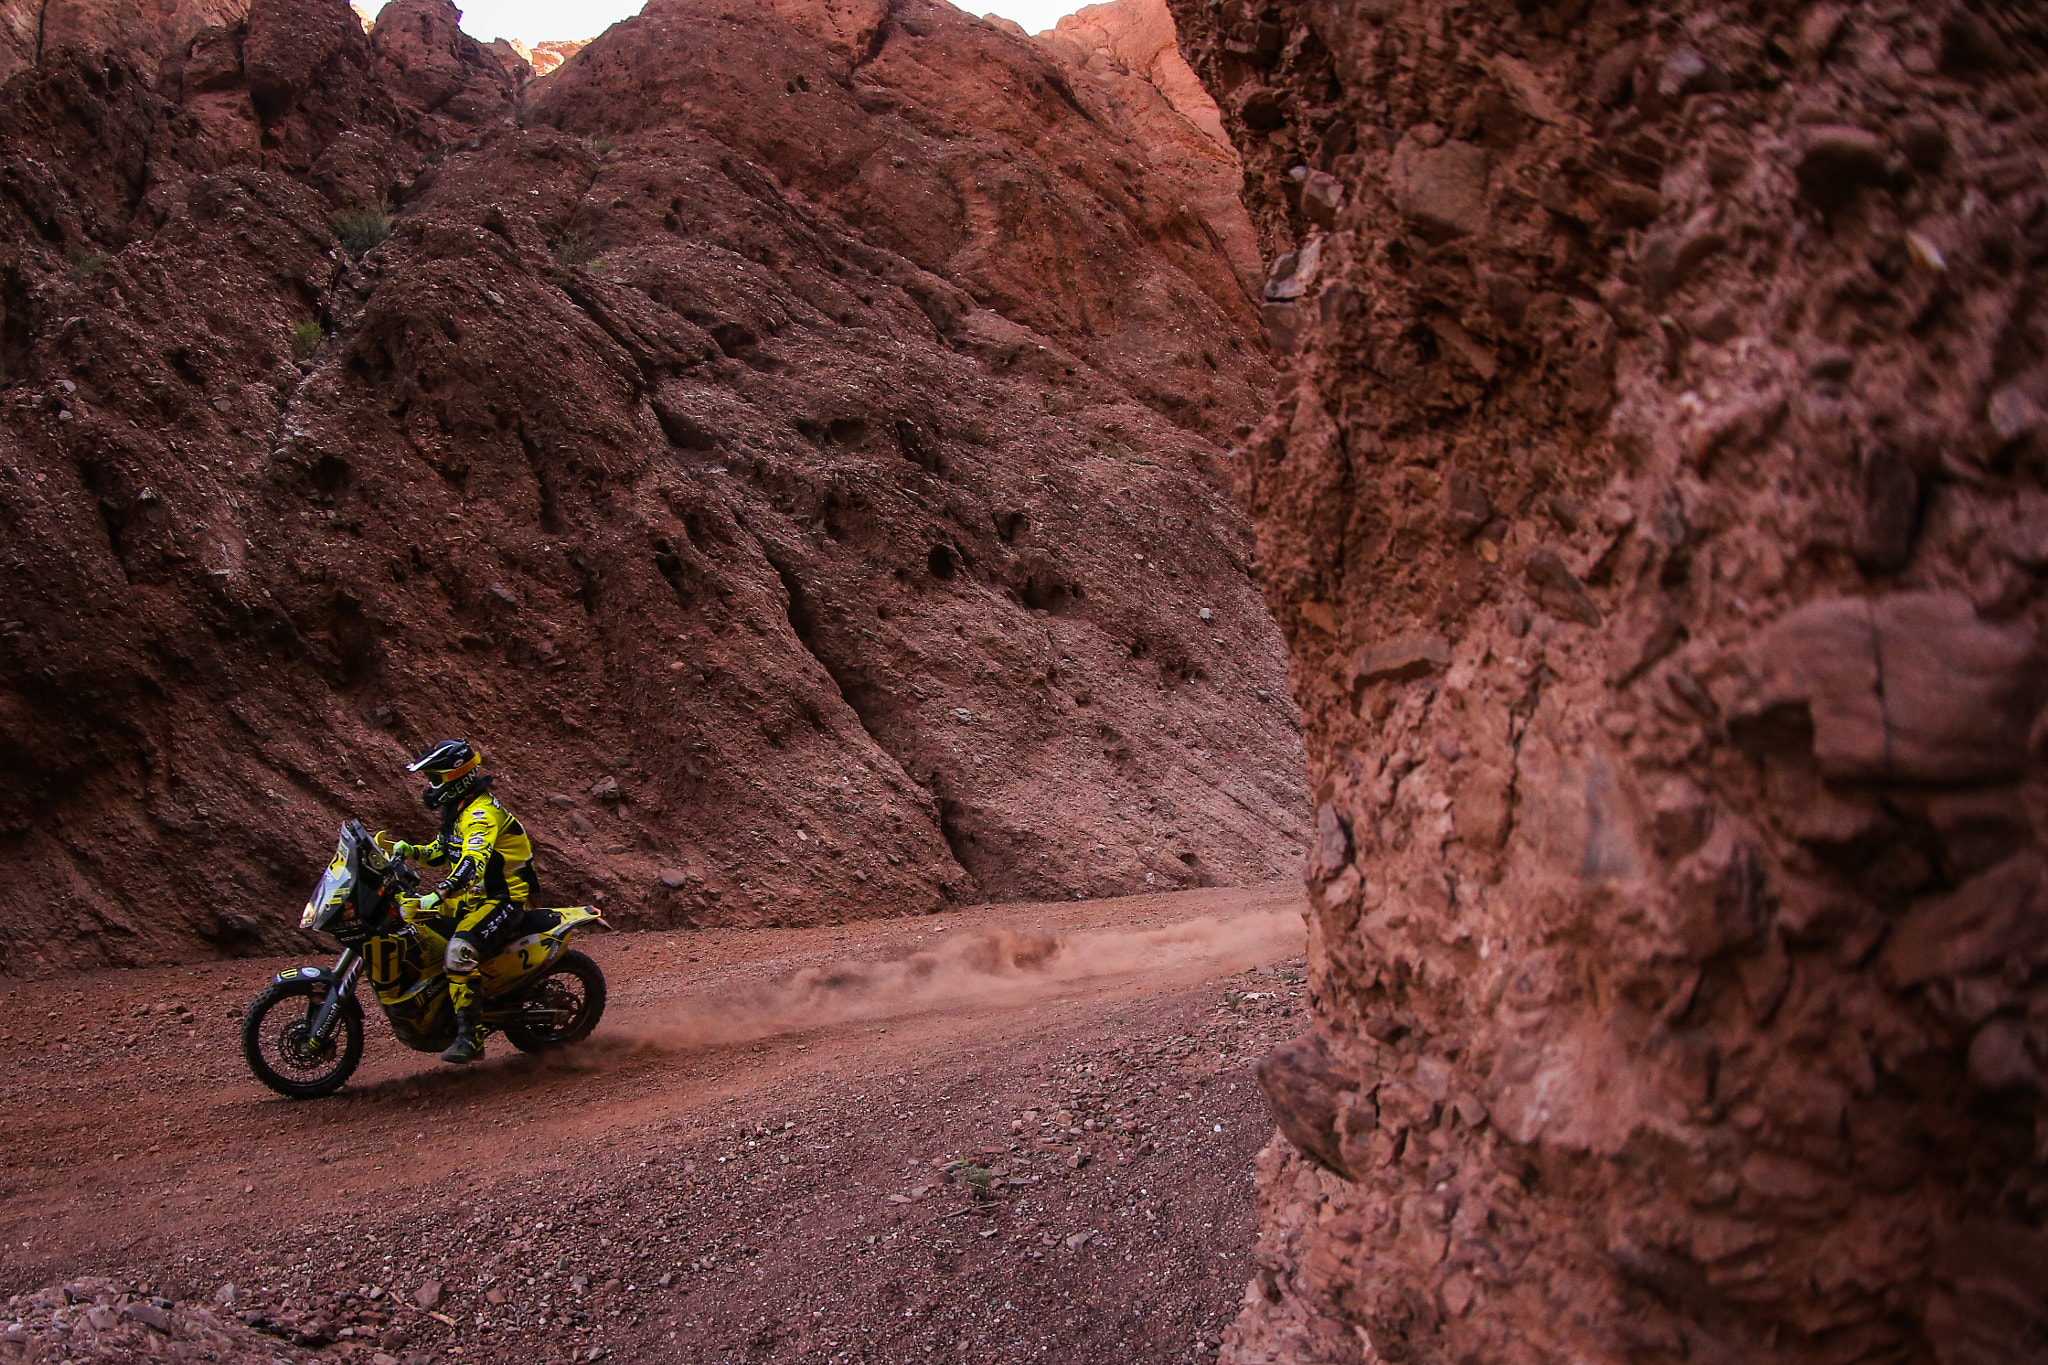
[(466, 1047)]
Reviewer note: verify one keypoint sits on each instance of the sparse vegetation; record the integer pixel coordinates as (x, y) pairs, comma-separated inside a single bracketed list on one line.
[(602, 145), (1117, 450), (306, 338), (362, 229), (84, 263), (974, 1177), (572, 251)]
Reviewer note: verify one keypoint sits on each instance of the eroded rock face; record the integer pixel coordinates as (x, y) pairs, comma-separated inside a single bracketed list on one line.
[(1654, 509), (799, 471), (427, 61), (33, 29), (1182, 131)]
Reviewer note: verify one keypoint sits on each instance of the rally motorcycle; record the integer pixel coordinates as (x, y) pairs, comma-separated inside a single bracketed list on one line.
[(303, 1036)]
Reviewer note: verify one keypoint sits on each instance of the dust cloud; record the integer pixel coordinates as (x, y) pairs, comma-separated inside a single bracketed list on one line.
[(991, 968)]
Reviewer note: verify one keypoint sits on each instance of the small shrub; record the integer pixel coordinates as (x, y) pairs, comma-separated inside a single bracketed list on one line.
[(361, 229), (974, 1177), (306, 338), (1117, 450), (83, 263), (603, 145), (572, 251)]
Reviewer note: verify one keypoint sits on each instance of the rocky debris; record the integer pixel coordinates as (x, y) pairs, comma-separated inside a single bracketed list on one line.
[(1680, 932), (726, 417), (100, 1319)]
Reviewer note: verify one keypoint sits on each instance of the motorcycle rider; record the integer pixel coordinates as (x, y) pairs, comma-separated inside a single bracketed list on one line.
[(492, 881)]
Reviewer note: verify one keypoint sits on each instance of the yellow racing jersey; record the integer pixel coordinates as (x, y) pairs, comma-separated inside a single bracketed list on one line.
[(493, 856)]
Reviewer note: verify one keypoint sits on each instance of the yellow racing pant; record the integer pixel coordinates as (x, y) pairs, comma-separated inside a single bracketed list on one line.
[(482, 927)]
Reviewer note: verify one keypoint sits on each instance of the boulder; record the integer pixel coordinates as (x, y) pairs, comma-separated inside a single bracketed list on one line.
[(1441, 189), (1303, 1087)]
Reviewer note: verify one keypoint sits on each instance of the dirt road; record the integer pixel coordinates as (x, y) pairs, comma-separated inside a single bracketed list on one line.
[(1006, 1134)]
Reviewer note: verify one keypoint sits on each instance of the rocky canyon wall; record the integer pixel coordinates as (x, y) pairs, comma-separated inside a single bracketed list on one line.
[(1654, 509), (790, 440)]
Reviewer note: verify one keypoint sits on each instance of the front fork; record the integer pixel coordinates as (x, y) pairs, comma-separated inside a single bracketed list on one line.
[(345, 972)]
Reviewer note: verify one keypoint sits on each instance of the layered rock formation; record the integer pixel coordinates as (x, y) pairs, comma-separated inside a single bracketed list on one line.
[(1654, 509), (790, 447)]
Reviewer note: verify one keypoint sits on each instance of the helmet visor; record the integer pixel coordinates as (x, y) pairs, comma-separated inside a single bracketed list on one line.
[(440, 775)]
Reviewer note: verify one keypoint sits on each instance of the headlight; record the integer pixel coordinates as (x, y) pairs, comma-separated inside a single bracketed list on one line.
[(312, 913)]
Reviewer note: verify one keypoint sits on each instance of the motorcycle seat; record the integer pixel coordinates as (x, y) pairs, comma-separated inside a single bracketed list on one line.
[(537, 921)]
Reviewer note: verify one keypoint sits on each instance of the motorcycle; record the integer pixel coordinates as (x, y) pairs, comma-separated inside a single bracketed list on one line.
[(303, 1036)]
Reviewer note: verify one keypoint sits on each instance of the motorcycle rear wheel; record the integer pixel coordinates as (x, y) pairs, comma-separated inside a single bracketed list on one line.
[(572, 986), (276, 1049)]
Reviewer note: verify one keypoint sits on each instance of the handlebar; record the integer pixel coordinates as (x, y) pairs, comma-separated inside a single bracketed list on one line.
[(402, 875)]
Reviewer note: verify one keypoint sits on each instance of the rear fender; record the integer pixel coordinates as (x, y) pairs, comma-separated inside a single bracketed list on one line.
[(519, 961), (574, 917)]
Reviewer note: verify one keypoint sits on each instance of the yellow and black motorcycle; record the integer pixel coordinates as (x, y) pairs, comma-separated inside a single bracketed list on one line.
[(303, 1036)]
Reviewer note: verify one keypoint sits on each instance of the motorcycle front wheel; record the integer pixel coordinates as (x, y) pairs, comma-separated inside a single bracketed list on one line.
[(561, 1008), (278, 1045)]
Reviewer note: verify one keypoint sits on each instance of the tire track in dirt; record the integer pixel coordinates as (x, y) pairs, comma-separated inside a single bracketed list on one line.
[(740, 1125)]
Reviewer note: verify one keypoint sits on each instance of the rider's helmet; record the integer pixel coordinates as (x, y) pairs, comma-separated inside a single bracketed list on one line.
[(450, 768)]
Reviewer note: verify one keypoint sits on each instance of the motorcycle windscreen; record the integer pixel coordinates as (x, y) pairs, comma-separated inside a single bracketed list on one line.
[(331, 896)]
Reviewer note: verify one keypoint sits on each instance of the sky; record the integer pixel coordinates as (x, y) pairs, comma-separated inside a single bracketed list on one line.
[(534, 21)]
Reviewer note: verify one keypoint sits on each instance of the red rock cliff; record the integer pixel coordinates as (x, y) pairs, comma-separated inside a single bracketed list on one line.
[(792, 454), (1183, 134), (1654, 509)]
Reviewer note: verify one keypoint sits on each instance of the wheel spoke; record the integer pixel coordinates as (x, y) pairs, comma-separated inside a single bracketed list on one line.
[(281, 1049)]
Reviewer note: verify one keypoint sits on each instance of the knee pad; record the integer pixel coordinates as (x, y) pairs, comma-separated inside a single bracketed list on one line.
[(463, 956)]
